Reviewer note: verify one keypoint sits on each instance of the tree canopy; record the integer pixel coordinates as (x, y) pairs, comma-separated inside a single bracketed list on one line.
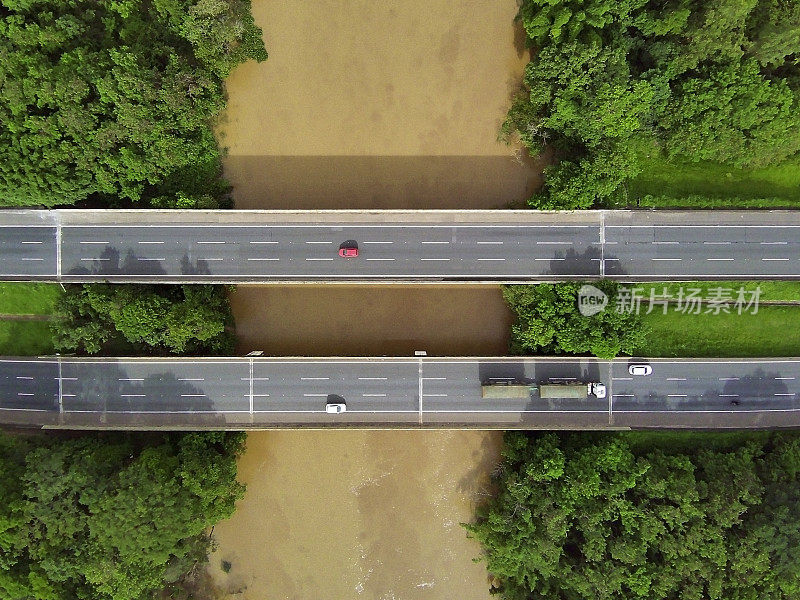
[(548, 322), (709, 80), (106, 99), (605, 517), (102, 518), (185, 319)]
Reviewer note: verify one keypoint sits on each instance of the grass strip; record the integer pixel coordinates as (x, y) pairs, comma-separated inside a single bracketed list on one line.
[(773, 331), (28, 298), (25, 338)]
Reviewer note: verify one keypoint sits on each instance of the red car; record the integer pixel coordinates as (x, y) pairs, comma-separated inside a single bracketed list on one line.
[(349, 249)]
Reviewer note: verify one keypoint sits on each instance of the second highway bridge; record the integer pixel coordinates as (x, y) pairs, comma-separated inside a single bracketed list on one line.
[(260, 392), (422, 246)]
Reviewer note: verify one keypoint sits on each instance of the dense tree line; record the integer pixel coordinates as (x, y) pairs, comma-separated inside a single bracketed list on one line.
[(548, 321), (610, 517), (113, 101), (146, 319), (110, 518), (708, 79)]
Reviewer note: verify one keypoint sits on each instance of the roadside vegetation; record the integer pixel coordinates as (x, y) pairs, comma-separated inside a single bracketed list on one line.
[(548, 322), (25, 310), (619, 516), (102, 517), (618, 89), (144, 320), (111, 103)]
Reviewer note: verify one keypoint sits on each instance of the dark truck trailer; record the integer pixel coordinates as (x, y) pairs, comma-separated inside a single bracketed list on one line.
[(514, 389)]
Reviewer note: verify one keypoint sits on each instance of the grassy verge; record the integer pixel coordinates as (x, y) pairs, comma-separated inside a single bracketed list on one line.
[(665, 183), (773, 331), (28, 298), (26, 338), (771, 291)]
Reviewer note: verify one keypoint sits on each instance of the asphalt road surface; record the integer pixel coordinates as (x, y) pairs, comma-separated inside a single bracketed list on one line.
[(513, 246), (240, 393)]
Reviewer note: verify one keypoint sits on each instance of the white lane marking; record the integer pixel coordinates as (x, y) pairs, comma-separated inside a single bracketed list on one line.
[(133, 395), (785, 378), (314, 378), (729, 395), (211, 242), (256, 378), (95, 242), (374, 395), (376, 242), (32, 242), (91, 259), (717, 243), (666, 259), (774, 259), (445, 378), (23, 377), (33, 259), (256, 396), (318, 242), (623, 395), (548, 259), (435, 395), (439, 259), (319, 259), (264, 259), (622, 378), (24, 394), (720, 259), (131, 379), (154, 259), (676, 395), (489, 242), (676, 378), (485, 259), (193, 395), (264, 242), (729, 379), (433, 242), (148, 242), (554, 243), (315, 395), (207, 259), (381, 259), (68, 395), (792, 394), (665, 242), (192, 379), (610, 259), (773, 243), (372, 378)]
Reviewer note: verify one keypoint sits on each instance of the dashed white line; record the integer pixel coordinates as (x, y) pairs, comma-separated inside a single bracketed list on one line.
[(32, 242), (376, 242), (435, 395), (211, 242), (192, 379), (372, 378), (319, 259), (674, 259), (33, 259), (24, 394), (729, 395), (779, 259), (314, 378), (433, 242), (193, 395), (728, 379), (23, 377), (90, 242), (92, 259), (665, 243), (131, 379), (148, 242), (133, 395), (381, 259), (264, 242), (264, 259), (785, 378), (487, 242), (717, 243), (315, 395), (554, 243), (436, 259), (549, 259), (487, 259), (792, 394), (374, 395), (774, 243), (151, 259), (676, 378), (720, 259), (676, 395), (316, 242)]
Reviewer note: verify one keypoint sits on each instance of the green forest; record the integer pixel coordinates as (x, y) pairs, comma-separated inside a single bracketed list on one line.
[(640, 515), (110, 517), (111, 103), (612, 83)]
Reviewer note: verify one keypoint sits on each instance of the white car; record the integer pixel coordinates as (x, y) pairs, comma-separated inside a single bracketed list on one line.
[(335, 407), (640, 369)]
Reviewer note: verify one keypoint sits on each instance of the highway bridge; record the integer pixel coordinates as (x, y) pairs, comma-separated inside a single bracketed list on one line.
[(413, 392), (147, 246)]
